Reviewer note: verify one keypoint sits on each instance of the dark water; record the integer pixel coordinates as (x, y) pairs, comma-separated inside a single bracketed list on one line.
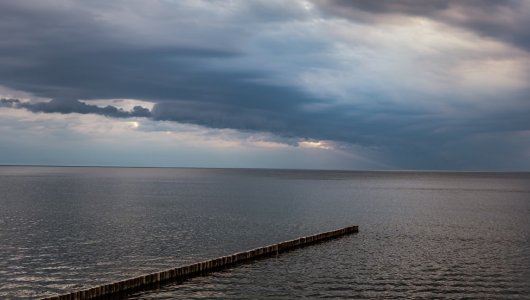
[(423, 235)]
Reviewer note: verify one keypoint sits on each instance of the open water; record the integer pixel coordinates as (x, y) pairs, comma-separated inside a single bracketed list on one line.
[(422, 234)]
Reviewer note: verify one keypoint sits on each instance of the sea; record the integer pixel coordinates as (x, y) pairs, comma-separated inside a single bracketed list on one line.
[(450, 235)]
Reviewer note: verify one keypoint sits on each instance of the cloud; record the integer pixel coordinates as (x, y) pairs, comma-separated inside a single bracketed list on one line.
[(506, 20), (88, 139), (65, 106), (404, 80)]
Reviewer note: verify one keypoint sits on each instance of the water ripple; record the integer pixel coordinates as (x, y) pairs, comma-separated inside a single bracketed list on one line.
[(423, 235)]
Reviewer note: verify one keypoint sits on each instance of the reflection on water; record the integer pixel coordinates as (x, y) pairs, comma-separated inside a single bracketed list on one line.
[(349, 268), (421, 234)]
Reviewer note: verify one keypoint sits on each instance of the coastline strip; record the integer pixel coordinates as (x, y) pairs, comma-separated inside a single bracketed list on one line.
[(153, 280)]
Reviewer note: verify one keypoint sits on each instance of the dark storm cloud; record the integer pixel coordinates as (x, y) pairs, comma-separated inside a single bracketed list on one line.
[(507, 20), (172, 58), (428, 8), (67, 106), (78, 59)]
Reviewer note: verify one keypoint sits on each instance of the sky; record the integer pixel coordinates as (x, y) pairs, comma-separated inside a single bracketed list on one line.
[(322, 84)]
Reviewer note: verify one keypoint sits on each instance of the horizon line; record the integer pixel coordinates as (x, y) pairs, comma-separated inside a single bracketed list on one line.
[(266, 168)]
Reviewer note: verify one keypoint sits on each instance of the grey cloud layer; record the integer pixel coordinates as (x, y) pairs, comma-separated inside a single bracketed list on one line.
[(188, 61), (507, 20), (66, 106)]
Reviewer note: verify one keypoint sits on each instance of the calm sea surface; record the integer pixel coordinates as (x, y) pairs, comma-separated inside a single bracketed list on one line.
[(422, 234)]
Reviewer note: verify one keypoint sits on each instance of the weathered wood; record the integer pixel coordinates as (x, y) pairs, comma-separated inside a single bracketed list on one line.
[(200, 268)]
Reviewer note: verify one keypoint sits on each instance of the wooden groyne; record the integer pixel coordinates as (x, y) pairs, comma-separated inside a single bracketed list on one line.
[(197, 269)]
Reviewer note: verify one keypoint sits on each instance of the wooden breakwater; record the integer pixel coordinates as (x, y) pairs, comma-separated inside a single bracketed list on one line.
[(200, 268)]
